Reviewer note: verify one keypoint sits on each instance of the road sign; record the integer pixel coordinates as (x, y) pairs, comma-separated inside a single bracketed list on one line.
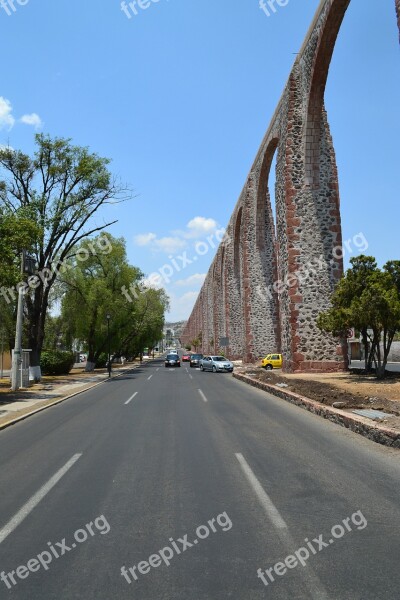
[(350, 333)]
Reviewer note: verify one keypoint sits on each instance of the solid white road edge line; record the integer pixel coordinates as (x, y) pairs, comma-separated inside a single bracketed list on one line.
[(131, 398), (203, 396), (36, 499)]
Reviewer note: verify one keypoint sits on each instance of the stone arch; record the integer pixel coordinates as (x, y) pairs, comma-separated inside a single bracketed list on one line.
[(335, 12), (237, 247), (264, 218)]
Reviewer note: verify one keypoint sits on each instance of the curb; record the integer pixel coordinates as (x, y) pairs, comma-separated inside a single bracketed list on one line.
[(59, 400), (381, 435)]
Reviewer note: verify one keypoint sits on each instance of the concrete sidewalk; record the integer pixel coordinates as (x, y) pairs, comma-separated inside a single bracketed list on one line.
[(16, 406)]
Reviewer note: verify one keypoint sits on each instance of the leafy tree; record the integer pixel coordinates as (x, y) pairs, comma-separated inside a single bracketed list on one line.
[(368, 299), (92, 289), (17, 233), (146, 323), (196, 342), (60, 189)]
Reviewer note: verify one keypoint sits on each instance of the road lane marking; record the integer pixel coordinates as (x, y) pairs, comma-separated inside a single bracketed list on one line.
[(203, 396), (261, 494), (148, 379), (158, 368), (191, 376), (310, 579), (32, 503), (131, 398)]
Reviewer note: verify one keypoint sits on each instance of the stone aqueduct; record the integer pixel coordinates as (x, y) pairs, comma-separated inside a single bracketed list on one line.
[(268, 283)]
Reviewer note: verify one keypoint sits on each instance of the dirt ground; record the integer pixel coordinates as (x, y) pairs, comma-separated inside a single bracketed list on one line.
[(355, 390)]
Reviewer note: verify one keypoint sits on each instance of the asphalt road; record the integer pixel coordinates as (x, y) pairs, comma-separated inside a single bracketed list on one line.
[(223, 479)]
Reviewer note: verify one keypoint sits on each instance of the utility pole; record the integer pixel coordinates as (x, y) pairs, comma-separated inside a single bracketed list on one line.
[(27, 266), (16, 356)]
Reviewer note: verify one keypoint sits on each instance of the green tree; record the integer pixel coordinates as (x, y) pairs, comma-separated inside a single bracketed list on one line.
[(91, 289), (60, 189), (368, 299), (146, 324), (17, 233)]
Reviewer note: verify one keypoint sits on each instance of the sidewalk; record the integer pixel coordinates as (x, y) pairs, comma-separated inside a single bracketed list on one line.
[(15, 406)]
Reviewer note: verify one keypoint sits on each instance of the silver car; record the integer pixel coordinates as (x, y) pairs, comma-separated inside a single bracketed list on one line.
[(216, 364)]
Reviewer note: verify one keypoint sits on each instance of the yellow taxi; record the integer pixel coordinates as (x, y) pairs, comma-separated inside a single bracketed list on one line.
[(272, 361)]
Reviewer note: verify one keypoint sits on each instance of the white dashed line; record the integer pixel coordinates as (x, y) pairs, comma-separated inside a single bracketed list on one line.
[(191, 376), (310, 579), (148, 379), (261, 494), (203, 396), (36, 499), (131, 398)]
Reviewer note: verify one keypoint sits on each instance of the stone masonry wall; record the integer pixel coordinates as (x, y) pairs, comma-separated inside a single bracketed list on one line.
[(268, 282)]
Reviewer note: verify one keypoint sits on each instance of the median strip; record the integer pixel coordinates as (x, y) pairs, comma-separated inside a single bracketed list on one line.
[(375, 432)]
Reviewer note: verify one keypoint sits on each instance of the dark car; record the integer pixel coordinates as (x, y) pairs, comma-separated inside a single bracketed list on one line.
[(172, 360), (195, 360)]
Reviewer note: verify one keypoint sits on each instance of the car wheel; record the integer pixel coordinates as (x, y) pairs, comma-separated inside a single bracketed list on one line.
[(214, 369), (269, 367), (201, 368)]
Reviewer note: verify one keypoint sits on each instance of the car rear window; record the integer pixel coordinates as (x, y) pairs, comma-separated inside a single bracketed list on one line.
[(172, 356), (197, 356)]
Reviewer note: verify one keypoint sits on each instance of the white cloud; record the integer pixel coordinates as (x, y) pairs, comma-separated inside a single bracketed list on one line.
[(196, 279), (144, 239), (196, 228), (32, 119), (200, 226), (170, 245), (6, 118)]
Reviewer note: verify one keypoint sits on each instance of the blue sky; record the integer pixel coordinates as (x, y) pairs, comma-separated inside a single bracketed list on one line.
[(180, 96)]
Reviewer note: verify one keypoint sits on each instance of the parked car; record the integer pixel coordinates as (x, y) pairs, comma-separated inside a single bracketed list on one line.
[(172, 360), (195, 360), (216, 364), (272, 361), (185, 357)]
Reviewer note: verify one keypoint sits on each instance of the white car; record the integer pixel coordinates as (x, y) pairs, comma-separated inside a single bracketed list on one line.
[(216, 364)]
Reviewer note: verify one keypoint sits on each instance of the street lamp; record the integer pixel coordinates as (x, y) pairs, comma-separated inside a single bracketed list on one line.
[(108, 317)]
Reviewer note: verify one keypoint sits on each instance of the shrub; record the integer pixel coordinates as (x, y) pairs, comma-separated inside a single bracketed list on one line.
[(56, 362), (101, 362)]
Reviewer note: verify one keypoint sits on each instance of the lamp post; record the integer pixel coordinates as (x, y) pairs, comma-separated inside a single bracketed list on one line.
[(2, 334), (108, 317)]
